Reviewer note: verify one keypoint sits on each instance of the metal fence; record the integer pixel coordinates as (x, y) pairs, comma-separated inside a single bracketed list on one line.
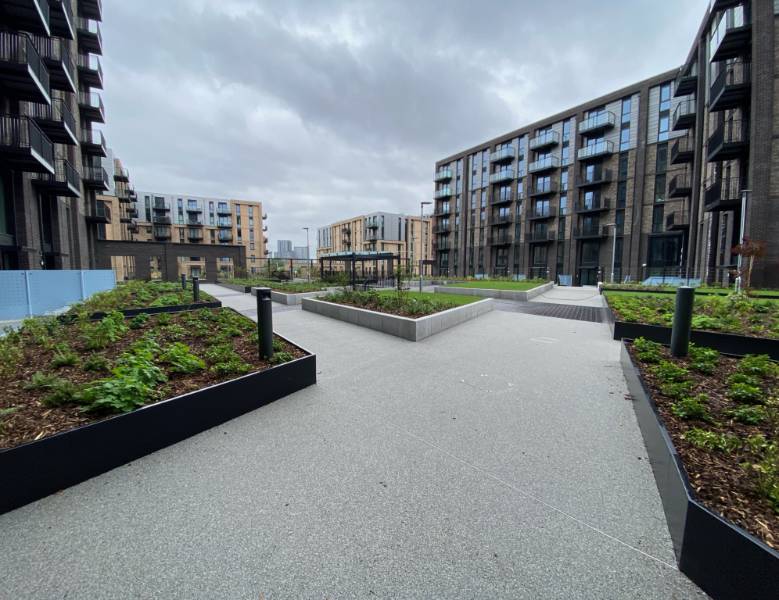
[(30, 293)]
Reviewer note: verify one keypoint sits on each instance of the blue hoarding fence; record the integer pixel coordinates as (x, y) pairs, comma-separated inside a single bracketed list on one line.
[(31, 293)]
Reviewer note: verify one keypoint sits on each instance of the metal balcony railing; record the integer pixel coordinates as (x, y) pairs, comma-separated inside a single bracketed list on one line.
[(544, 187), (680, 185), (728, 140), (546, 212), (593, 231), (22, 138), (593, 205), (683, 150), (595, 177), (684, 115), (18, 48), (540, 236), (731, 86)]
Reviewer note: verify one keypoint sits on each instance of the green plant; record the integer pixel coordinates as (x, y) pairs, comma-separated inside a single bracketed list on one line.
[(743, 378), (759, 365), (96, 362), (766, 474), (667, 371), (63, 356), (139, 320), (58, 390), (706, 322), (167, 300), (277, 345), (647, 351), (164, 319), (6, 412), (703, 360), (749, 415), (180, 359), (10, 356), (281, 357), (711, 440), (692, 408), (677, 390), (109, 329), (745, 393), (175, 331)]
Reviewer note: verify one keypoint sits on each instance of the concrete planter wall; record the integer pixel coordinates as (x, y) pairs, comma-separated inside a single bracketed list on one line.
[(501, 294), (36, 469), (721, 558), (294, 299), (404, 327)]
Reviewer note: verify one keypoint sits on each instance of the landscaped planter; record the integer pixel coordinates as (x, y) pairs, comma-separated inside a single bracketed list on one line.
[(501, 294), (725, 343), (36, 469), (245, 289), (721, 558), (673, 293), (404, 327), (280, 297), (154, 310)]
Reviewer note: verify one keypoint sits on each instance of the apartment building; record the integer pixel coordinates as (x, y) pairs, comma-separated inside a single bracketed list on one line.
[(50, 151), (406, 236), (649, 179), (204, 221)]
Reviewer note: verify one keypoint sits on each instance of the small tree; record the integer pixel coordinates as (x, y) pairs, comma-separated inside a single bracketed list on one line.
[(749, 250)]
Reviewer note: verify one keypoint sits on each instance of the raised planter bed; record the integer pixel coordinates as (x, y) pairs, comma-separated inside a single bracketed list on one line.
[(36, 469), (245, 289), (280, 297), (721, 558), (522, 296), (154, 310), (404, 327), (672, 292)]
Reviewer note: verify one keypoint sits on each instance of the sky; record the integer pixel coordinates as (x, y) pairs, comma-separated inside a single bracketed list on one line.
[(325, 110)]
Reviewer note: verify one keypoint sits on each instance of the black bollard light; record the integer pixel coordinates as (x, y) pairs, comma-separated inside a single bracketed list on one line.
[(680, 333), (264, 321), (196, 289), (183, 281)]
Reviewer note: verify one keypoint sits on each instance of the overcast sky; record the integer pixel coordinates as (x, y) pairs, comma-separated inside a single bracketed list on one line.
[(327, 109)]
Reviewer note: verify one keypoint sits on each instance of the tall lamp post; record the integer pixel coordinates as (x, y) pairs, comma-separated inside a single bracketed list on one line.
[(308, 254), (613, 249), (744, 199), (421, 238)]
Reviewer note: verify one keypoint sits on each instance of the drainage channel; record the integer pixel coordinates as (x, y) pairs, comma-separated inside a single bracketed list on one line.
[(593, 314)]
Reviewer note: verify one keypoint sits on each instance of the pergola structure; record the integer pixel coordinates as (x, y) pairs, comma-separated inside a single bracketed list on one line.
[(350, 260)]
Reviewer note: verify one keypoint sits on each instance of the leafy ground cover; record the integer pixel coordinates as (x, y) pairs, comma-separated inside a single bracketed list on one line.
[(138, 294), (669, 289), (288, 287), (501, 284), (404, 304), (56, 375), (729, 314), (723, 416)]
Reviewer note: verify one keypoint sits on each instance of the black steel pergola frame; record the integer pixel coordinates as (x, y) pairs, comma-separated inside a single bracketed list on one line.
[(350, 259)]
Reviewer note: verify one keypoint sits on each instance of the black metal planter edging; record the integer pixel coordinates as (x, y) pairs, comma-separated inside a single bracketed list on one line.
[(721, 558), (673, 293), (36, 469), (154, 310)]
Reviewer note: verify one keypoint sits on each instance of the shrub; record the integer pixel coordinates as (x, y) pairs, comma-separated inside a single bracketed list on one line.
[(139, 320), (96, 362), (676, 390), (745, 393), (63, 356), (167, 300), (759, 365), (703, 360), (281, 357), (749, 415), (711, 440), (109, 329), (743, 378), (647, 351), (10, 356), (180, 360), (668, 371), (59, 391), (164, 319), (691, 408), (766, 474)]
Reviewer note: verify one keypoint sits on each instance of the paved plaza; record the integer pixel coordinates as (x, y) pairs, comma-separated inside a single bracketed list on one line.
[(498, 459)]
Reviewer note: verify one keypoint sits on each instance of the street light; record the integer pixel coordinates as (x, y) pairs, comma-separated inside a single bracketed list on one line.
[(613, 249), (308, 254), (744, 198), (421, 239)]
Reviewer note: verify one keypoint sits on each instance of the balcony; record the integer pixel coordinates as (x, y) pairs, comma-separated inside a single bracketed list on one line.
[(101, 213), (684, 115), (61, 19), (24, 146), (591, 232), (28, 15), (442, 227), (195, 210), (159, 219), (264, 216), (162, 233), (677, 221), (732, 87), (683, 150), (195, 235), (93, 142), (372, 225), (56, 58), (89, 37), (537, 214), (733, 34), (223, 209), (444, 174), (92, 9), (224, 223), (22, 71), (599, 122), (122, 174), (91, 107), (65, 181), (596, 150), (132, 213), (500, 240), (595, 177), (89, 71), (442, 210), (730, 140), (724, 194), (444, 192), (592, 206), (502, 198), (160, 207), (687, 79), (540, 237), (55, 120), (95, 178), (505, 154), (544, 164), (443, 245), (500, 176), (542, 189), (194, 223), (680, 186), (505, 218), (225, 236), (544, 140)]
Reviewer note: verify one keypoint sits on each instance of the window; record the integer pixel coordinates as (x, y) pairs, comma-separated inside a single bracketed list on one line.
[(622, 194), (623, 166), (564, 180), (624, 138), (661, 162), (657, 218), (660, 187), (665, 96), (626, 108)]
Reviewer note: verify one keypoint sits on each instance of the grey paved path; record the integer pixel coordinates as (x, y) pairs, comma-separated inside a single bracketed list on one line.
[(411, 470), (577, 296)]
